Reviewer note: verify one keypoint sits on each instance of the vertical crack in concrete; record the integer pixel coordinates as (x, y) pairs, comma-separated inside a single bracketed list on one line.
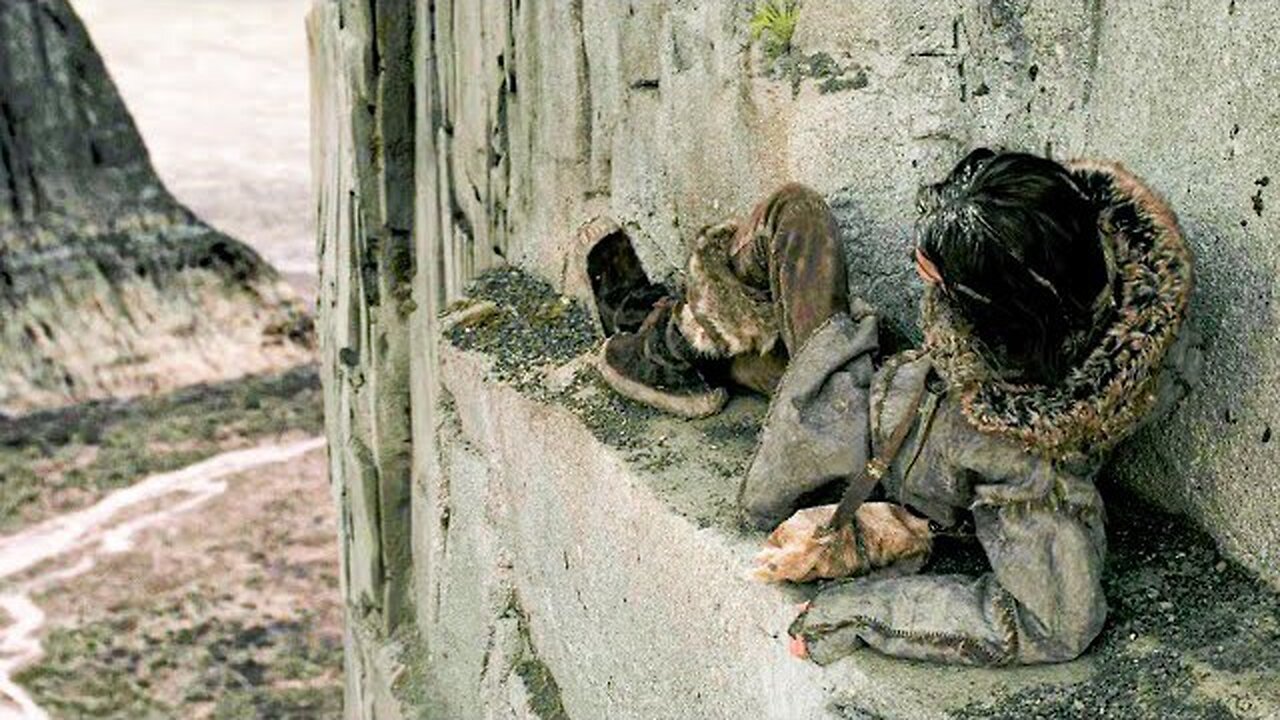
[(586, 127), (1095, 48), (545, 699)]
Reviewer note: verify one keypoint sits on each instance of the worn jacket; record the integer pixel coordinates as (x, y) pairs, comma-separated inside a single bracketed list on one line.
[(1019, 459)]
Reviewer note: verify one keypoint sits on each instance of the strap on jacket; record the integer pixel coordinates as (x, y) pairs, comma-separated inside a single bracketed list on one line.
[(861, 485)]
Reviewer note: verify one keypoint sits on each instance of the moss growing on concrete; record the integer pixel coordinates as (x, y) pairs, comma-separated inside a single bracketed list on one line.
[(530, 327), (828, 75), (613, 419), (1190, 634), (542, 344), (526, 328), (410, 688), (544, 696), (544, 693)]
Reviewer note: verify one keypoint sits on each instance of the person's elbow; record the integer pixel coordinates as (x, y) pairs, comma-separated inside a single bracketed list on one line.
[(1078, 623)]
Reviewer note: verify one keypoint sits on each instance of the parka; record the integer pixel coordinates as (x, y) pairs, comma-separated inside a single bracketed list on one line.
[(1017, 459)]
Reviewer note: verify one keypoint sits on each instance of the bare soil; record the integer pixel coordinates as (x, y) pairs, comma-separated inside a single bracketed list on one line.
[(61, 460), (229, 611)]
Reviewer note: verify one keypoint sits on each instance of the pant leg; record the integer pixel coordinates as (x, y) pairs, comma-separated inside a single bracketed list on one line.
[(777, 276), (791, 247), (1042, 601), (816, 432)]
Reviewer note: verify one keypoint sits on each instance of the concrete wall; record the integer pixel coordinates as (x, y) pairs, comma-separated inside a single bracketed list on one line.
[(658, 115), (533, 117), (362, 114)]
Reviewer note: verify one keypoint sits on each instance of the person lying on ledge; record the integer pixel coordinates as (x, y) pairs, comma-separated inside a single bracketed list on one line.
[(1053, 329)]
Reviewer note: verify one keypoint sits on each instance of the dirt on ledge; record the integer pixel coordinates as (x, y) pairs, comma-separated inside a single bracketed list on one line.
[(1190, 635)]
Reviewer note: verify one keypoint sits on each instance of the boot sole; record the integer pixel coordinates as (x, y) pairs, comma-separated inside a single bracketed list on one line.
[(693, 407)]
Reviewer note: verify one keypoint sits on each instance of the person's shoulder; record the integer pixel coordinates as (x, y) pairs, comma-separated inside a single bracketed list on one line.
[(899, 384)]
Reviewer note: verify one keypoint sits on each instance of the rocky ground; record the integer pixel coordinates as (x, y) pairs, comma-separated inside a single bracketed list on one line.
[(191, 604)]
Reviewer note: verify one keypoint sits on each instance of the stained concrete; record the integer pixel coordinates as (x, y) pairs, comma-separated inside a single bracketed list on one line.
[(663, 117), (608, 537), (531, 119)]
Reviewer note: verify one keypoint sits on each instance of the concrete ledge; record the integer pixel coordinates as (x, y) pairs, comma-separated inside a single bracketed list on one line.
[(597, 540)]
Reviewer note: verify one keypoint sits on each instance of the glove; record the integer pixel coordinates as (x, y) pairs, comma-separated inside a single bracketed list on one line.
[(883, 535)]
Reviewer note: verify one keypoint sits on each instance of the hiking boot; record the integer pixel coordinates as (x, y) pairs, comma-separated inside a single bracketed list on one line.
[(654, 366), (622, 291)]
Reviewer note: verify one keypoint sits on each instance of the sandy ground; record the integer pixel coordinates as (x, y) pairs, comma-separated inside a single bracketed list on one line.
[(227, 610), (173, 556), (219, 89)]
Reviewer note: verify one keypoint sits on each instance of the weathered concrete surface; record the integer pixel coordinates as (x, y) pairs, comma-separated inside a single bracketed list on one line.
[(638, 609), (362, 167), (532, 118), (108, 286), (604, 540), (660, 116), (1188, 96)]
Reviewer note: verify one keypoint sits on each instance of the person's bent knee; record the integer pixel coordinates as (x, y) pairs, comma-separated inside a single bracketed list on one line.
[(796, 192)]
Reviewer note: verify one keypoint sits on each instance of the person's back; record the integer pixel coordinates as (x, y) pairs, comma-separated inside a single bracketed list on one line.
[(1052, 314)]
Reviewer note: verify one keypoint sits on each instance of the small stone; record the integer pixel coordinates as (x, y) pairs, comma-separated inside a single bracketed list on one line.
[(1220, 566), (1165, 605)]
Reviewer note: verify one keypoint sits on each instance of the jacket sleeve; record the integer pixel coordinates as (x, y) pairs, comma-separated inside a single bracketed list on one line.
[(1041, 602), (817, 428)]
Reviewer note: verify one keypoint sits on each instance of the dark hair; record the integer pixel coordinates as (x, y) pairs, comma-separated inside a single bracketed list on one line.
[(1018, 248)]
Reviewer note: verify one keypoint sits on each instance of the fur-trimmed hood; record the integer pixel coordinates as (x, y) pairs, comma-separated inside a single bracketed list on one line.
[(1114, 386)]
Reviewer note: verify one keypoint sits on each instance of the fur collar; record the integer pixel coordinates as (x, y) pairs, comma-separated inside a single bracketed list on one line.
[(1113, 387)]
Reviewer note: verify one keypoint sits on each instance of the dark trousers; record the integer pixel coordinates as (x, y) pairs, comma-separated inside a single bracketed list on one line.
[(758, 290)]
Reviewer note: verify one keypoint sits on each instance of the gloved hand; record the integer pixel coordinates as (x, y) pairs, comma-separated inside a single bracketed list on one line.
[(883, 535)]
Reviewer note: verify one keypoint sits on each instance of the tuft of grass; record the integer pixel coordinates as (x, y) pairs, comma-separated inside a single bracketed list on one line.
[(774, 22), (175, 661)]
